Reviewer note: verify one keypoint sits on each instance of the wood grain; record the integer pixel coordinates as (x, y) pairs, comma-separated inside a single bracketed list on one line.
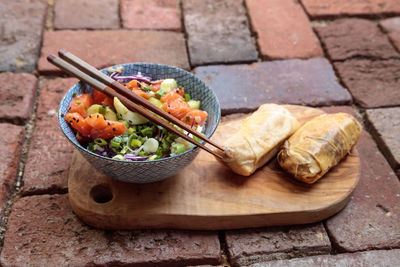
[(206, 195)]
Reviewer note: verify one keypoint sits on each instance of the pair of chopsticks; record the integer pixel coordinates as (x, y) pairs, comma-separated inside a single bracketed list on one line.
[(95, 78)]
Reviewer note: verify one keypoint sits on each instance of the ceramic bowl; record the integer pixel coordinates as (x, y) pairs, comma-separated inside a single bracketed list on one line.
[(156, 170)]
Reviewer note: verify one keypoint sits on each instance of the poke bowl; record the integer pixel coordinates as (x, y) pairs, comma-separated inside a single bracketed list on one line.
[(142, 166)]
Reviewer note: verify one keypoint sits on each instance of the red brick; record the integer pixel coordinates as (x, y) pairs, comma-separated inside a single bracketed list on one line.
[(385, 126), (150, 14), (43, 231), (50, 152), (371, 220), (86, 14), (21, 33), (283, 29), (392, 27), (373, 83), (218, 32), (368, 258), (17, 93), (243, 88), (251, 246), (336, 109), (11, 137), (107, 48), (341, 8), (347, 38)]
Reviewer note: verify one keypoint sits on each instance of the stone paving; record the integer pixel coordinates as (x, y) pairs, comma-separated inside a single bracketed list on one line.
[(340, 55)]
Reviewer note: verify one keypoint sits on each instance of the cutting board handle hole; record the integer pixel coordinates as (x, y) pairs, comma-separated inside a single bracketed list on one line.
[(101, 193)]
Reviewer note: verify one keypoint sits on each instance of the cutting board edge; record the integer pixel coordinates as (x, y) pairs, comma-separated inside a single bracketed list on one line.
[(207, 222)]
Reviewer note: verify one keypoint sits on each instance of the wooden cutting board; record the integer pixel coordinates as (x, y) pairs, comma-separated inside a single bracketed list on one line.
[(206, 195)]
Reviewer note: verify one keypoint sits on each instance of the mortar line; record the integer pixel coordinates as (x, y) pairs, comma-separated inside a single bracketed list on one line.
[(224, 249), (380, 27), (14, 195), (120, 15), (253, 32), (185, 33), (49, 22)]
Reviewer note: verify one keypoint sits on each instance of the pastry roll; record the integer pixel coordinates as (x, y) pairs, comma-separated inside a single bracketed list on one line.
[(319, 145), (258, 138)]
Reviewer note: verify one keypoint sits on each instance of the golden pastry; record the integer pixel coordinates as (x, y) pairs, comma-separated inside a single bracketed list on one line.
[(319, 145), (258, 138)]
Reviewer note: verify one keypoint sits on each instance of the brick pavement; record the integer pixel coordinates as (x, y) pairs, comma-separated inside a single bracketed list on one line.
[(350, 58)]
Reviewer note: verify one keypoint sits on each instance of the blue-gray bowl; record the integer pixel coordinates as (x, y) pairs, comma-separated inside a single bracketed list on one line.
[(148, 171)]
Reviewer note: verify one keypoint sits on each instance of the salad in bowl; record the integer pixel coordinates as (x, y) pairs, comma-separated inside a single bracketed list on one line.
[(108, 134)]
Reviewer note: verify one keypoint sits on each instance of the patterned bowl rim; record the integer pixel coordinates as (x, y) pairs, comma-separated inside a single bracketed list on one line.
[(61, 119)]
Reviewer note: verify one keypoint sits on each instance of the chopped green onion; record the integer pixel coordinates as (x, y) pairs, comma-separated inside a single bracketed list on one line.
[(73, 95), (131, 137), (118, 157), (177, 148), (148, 131), (131, 130), (143, 153), (78, 102), (160, 93), (115, 143), (91, 146), (164, 147), (159, 152), (97, 147), (124, 135), (134, 143), (187, 97), (152, 157), (100, 141), (147, 88), (102, 110), (171, 137), (125, 140), (124, 150)]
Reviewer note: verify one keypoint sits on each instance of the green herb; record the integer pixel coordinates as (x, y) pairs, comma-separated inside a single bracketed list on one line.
[(160, 93), (102, 110), (124, 150), (78, 102), (177, 148), (118, 157), (100, 141), (134, 143), (147, 88), (143, 153), (115, 143), (91, 147), (187, 97), (148, 131), (152, 157), (131, 130)]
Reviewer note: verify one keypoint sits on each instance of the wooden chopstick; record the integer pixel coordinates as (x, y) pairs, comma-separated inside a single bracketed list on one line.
[(124, 100), (92, 71)]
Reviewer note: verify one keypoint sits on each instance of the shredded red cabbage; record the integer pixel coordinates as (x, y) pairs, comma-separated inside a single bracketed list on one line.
[(107, 152), (136, 157), (133, 77)]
